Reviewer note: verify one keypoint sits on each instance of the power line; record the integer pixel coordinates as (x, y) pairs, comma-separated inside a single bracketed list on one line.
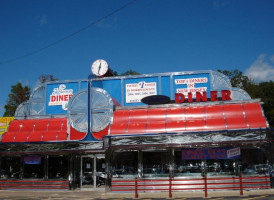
[(70, 35)]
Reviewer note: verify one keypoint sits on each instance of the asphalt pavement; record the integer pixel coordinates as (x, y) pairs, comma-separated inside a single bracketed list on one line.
[(266, 194)]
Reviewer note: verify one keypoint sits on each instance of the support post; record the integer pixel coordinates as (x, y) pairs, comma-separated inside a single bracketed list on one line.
[(241, 184), (136, 188), (170, 187), (205, 178)]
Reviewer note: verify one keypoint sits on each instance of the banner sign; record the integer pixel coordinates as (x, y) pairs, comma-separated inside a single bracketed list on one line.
[(214, 153), (58, 96), (32, 160), (136, 91), (192, 83), (4, 122)]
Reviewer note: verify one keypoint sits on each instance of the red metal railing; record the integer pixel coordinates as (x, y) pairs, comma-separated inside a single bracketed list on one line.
[(34, 184), (191, 184)]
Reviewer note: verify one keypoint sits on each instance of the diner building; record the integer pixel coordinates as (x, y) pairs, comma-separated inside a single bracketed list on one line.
[(97, 132)]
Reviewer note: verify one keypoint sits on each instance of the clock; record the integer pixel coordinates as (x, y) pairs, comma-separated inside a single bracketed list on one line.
[(99, 67)]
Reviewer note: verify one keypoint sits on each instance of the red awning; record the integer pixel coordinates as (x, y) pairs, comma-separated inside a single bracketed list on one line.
[(39, 130), (175, 119), (188, 119)]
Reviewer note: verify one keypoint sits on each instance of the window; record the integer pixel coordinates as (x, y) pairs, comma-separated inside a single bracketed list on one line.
[(58, 167)]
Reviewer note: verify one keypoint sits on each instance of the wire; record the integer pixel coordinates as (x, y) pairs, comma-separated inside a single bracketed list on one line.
[(70, 35)]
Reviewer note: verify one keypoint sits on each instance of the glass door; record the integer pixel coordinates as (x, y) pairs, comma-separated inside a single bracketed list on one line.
[(87, 172)]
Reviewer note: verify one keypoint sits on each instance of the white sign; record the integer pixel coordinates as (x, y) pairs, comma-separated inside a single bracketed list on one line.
[(60, 96), (233, 152), (136, 91), (190, 82)]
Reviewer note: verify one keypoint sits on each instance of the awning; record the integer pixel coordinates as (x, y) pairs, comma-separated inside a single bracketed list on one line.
[(39, 130), (223, 117), (148, 120)]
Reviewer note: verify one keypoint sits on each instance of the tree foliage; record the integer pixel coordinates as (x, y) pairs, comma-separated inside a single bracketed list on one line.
[(129, 72), (263, 90), (47, 78), (18, 95)]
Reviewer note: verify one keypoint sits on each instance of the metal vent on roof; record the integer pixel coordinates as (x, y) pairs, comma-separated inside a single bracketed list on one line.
[(101, 110)]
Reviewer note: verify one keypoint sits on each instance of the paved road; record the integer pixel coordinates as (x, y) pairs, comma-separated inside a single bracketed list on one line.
[(89, 195)]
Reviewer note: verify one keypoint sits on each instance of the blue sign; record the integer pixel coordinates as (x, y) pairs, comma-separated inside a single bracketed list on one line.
[(32, 160), (58, 96), (213, 153)]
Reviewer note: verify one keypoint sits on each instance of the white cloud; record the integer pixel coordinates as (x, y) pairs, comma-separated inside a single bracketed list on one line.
[(261, 69), (43, 20)]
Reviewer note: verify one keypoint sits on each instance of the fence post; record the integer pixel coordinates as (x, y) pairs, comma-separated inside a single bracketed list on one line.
[(241, 184), (136, 188), (205, 178), (170, 184)]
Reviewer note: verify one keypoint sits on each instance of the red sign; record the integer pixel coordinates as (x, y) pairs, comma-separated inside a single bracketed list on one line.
[(202, 97)]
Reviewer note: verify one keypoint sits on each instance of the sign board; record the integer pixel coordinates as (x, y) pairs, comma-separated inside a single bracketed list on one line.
[(58, 95), (4, 122), (32, 160), (213, 153)]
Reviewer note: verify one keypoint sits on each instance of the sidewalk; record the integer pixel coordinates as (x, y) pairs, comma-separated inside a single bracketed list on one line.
[(99, 194)]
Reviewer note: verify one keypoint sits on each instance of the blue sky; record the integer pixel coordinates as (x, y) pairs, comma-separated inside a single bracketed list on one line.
[(149, 36)]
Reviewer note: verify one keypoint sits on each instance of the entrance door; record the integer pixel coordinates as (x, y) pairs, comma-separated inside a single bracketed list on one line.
[(87, 172), (93, 171)]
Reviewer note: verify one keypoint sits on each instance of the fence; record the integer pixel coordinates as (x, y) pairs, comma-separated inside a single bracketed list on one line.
[(34, 184), (190, 184)]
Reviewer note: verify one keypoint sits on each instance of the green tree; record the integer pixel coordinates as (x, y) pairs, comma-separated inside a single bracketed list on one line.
[(18, 95), (237, 78), (130, 72)]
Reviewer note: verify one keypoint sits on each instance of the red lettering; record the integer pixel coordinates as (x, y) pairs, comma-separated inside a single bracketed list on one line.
[(213, 96), (226, 95), (200, 97), (53, 98), (190, 100), (179, 98)]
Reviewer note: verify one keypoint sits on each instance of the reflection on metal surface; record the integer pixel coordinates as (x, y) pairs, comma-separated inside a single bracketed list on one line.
[(101, 110)]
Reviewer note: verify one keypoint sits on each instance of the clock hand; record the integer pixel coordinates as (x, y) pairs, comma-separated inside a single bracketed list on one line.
[(99, 68)]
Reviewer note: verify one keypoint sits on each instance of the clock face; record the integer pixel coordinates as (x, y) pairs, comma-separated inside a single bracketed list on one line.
[(99, 67)]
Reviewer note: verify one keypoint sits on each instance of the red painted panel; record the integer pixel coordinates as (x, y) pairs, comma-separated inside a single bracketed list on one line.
[(76, 135), (252, 109), (41, 125), (254, 115), (121, 116), (21, 136), (195, 125), (216, 124), (138, 116), (175, 126), (256, 122), (62, 136), (156, 127), (117, 129), (157, 115), (176, 114), (233, 110), (195, 113), (35, 136), (99, 135), (49, 136), (135, 128), (234, 116), (28, 125), (214, 112), (236, 123), (15, 125), (8, 137), (55, 124)]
